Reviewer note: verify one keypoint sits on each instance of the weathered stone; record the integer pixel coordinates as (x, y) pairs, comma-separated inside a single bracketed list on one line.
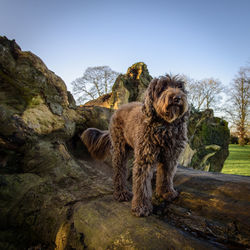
[(208, 142), (107, 224), (33, 98), (72, 102), (53, 196), (95, 116), (56, 108), (211, 204), (127, 88), (29, 76), (186, 156)]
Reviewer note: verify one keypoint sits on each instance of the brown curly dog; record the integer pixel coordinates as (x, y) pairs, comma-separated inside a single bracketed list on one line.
[(156, 130)]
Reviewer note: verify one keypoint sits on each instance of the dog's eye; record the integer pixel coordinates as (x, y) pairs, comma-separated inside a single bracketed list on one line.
[(180, 86)]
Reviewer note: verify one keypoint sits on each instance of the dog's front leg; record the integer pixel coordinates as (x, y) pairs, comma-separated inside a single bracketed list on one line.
[(164, 181), (142, 189)]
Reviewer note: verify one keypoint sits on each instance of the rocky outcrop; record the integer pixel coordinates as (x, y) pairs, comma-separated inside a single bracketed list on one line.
[(53, 196), (127, 88), (209, 138)]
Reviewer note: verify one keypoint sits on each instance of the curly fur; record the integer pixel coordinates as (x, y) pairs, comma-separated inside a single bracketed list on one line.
[(97, 141), (156, 130)]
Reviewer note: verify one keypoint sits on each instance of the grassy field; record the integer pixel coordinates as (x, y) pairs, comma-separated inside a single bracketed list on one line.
[(238, 161)]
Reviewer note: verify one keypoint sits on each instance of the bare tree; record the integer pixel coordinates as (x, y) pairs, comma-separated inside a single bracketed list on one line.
[(240, 103), (204, 94), (95, 82)]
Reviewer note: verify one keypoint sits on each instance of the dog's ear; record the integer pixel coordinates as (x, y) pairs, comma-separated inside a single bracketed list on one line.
[(160, 86), (153, 92), (147, 107)]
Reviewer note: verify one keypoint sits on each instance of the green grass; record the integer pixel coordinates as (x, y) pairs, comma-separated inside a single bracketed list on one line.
[(238, 161)]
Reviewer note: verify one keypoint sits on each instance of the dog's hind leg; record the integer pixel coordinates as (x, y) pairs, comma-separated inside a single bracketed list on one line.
[(119, 162), (142, 189), (164, 181)]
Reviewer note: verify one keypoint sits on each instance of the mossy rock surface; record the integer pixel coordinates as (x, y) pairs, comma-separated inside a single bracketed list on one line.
[(54, 196), (110, 225), (208, 139), (127, 88)]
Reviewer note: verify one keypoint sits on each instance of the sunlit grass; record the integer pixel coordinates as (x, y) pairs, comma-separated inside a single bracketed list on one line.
[(238, 161)]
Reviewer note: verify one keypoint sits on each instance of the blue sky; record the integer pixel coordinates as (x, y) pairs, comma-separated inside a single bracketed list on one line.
[(198, 38)]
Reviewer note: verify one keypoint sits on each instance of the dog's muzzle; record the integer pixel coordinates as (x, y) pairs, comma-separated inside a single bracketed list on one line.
[(176, 99)]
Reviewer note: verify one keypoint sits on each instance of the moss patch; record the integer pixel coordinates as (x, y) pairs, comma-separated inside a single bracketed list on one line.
[(41, 120)]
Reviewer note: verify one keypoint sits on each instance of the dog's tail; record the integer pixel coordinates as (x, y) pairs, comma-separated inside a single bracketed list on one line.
[(97, 142)]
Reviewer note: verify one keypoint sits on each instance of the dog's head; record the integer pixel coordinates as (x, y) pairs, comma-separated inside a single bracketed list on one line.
[(166, 98)]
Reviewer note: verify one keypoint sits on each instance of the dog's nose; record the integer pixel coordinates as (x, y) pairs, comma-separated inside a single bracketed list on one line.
[(177, 99)]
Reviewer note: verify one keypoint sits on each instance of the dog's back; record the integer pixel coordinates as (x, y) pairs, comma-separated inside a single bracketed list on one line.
[(122, 123), (126, 122)]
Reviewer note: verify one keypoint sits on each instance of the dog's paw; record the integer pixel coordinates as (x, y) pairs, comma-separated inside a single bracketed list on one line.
[(170, 196), (142, 210), (123, 195)]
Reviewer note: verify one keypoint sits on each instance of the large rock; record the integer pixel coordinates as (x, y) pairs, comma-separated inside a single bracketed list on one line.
[(208, 142), (34, 101), (114, 227), (205, 204), (53, 196), (127, 88)]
